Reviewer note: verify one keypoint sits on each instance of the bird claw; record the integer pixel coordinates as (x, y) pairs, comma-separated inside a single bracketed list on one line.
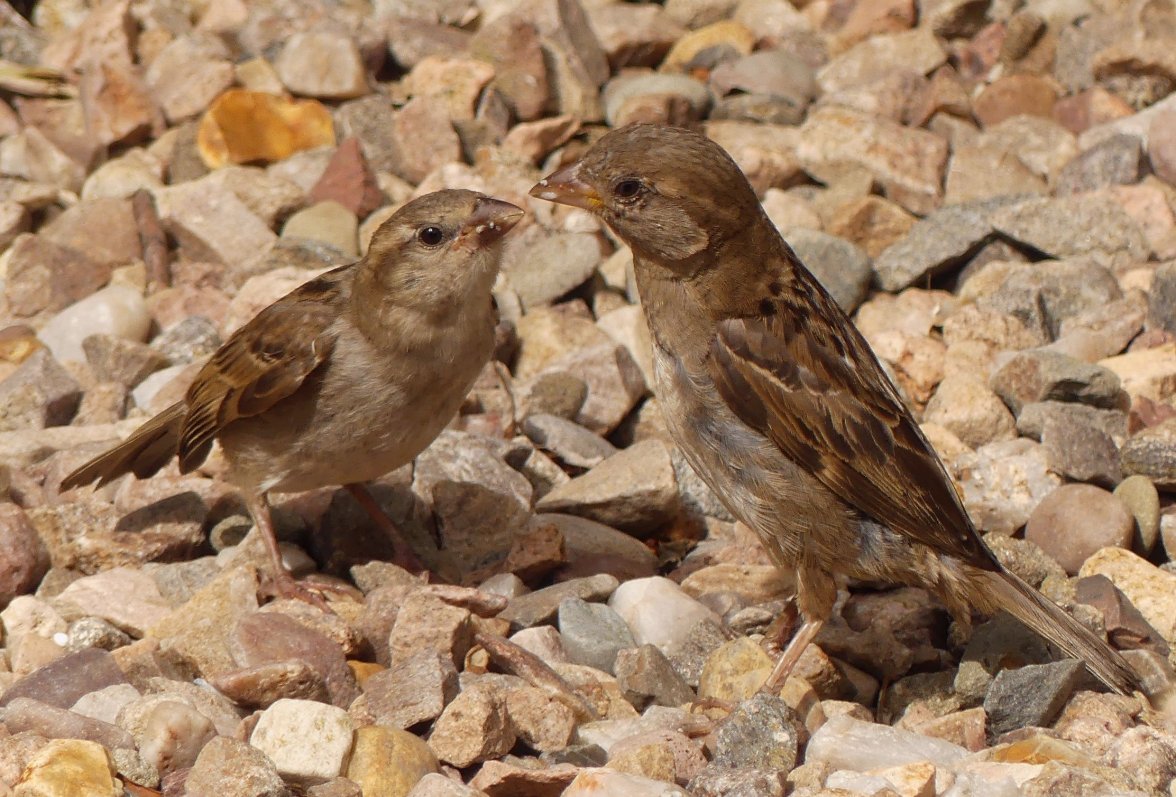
[(284, 586)]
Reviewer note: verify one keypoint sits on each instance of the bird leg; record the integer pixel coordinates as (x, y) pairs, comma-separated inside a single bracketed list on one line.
[(791, 655), (402, 554), (284, 585)]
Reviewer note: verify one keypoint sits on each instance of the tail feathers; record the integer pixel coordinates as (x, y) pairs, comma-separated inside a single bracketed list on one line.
[(147, 450), (1048, 619)]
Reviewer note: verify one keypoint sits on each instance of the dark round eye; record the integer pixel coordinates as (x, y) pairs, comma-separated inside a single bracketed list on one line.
[(627, 189), (431, 235)]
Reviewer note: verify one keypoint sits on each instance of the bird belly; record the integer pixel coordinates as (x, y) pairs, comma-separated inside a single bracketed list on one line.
[(791, 512), (354, 422)]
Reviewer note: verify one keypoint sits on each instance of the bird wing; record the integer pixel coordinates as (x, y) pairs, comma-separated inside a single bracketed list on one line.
[(816, 390), (263, 362)]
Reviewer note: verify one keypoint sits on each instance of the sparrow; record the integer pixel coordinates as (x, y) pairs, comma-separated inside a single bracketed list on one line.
[(345, 378), (778, 402)]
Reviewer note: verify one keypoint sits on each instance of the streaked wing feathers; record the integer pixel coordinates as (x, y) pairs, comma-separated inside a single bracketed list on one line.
[(262, 363), (818, 393)]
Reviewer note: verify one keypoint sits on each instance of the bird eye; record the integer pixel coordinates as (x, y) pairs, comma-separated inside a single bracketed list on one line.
[(627, 189), (431, 235)]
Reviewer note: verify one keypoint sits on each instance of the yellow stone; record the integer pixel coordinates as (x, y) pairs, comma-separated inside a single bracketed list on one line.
[(735, 671), (910, 780), (727, 32), (69, 768), (387, 762), (362, 670), (243, 126)]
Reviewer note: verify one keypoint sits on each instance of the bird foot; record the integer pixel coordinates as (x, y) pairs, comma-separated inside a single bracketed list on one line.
[(285, 586)]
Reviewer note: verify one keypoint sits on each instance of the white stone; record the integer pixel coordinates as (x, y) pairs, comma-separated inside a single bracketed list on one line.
[(659, 612), (610, 783), (309, 742), (116, 310), (846, 743), (105, 704), (146, 390)]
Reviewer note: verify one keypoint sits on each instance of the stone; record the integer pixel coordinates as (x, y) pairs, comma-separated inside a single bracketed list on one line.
[(127, 362), (1040, 375), (941, 241), (172, 736), (1112, 238), (261, 685), (542, 721), (966, 407), (211, 223), (734, 671), (542, 605), (1149, 588), (1082, 452), (1117, 160), (847, 743), (232, 768), (300, 66), (308, 742), (188, 74), (23, 557), (1075, 521), (328, 222), (474, 727), (126, 597), (570, 443), (659, 613), (38, 394), (610, 783), (44, 275), (634, 489), (68, 767), (841, 267), (62, 682), (270, 637), (1126, 627), (908, 163), (1031, 696), (1150, 373), (591, 548), (542, 265), (116, 310), (438, 785), (387, 761), (624, 94), (592, 634), (761, 733), (1139, 495), (918, 50), (646, 677), (1152, 453), (416, 691)]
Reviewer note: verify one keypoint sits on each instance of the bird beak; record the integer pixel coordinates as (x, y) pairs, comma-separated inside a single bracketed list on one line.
[(491, 219), (566, 187)]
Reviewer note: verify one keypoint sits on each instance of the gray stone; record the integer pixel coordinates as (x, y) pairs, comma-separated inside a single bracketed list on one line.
[(1110, 236), (719, 781), (63, 681), (1039, 375), (761, 733), (1031, 696), (592, 633), (1032, 419), (1140, 497), (567, 441), (542, 605), (633, 490), (1161, 300), (942, 241), (841, 267), (1116, 161), (542, 265)]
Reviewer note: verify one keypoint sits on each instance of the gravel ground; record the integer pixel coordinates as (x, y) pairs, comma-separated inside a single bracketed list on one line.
[(987, 186)]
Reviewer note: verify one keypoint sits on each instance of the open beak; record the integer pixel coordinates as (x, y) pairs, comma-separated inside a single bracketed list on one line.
[(566, 188), (491, 219)]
